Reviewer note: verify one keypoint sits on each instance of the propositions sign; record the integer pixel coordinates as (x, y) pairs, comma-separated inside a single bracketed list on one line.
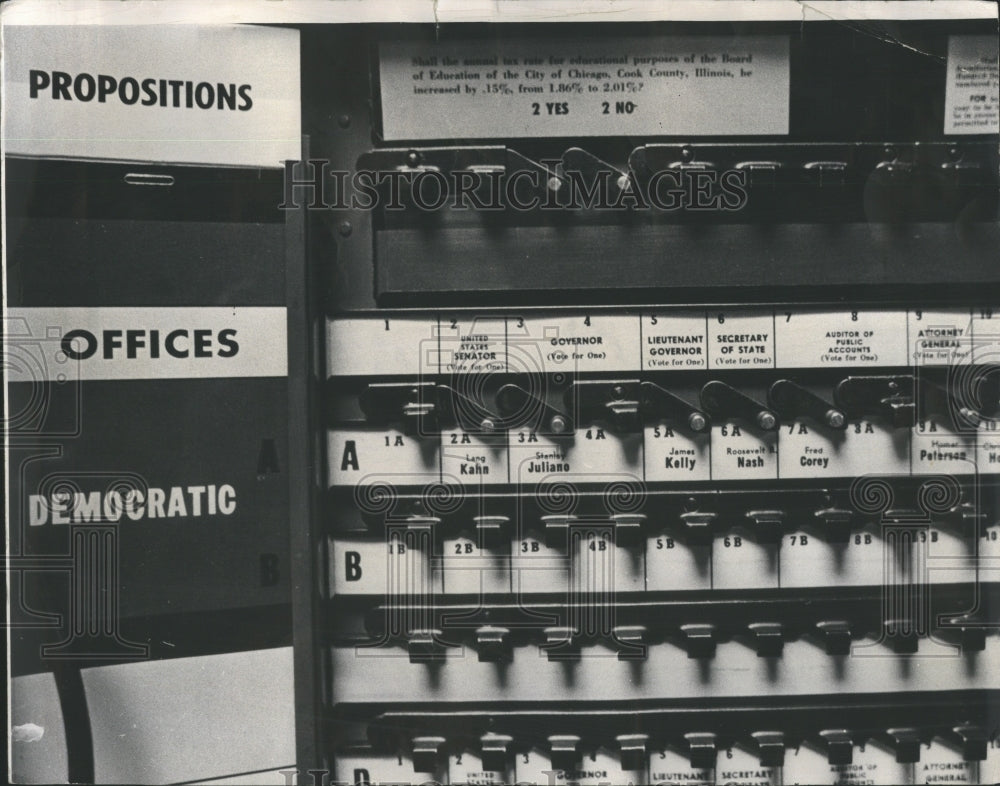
[(191, 94)]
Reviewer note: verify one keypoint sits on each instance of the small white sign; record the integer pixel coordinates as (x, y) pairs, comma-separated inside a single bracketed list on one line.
[(222, 95), (697, 85), (972, 94), (82, 344)]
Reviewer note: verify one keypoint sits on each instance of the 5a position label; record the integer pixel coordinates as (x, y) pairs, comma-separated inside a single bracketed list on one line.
[(695, 85)]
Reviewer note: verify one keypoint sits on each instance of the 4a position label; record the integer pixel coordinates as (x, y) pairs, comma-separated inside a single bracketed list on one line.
[(696, 85)]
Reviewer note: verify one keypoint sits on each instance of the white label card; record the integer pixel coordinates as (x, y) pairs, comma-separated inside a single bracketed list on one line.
[(662, 85), (190, 94), (972, 94), (78, 344)]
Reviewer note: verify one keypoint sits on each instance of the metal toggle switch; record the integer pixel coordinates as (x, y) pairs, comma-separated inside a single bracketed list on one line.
[(615, 402), (701, 749), (426, 752), (458, 410), (425, 645), (699, 640), (768, 638), (839, 746), (418, 527), (836, 524), (836, 636), (413, 406), (792, 401), (561, 644), (724, 402), (966, 518), (546, 187), (760, 174), (495, 751), (659, 404), (973, 740), (698, 526), (530, 411), (564, 751), (906, 743), (596, 172), (632, 639), (493, 644), (632, 750), (968, 630), (892, 191), (557, 529), (770, 747), (827, 174), (901, 635), (767, 524), (491, 530), (628, 529), (887, 397), (972, 639)]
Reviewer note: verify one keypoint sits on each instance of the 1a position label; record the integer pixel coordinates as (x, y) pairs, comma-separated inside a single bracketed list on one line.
[(479, 89)]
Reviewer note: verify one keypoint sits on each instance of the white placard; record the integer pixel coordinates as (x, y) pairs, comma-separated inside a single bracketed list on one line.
[(188, 94), (972, 93), (698, 85), (81, 344), (827, 339)]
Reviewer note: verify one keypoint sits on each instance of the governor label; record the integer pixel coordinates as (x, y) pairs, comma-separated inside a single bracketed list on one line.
[(597, 342), (662, 85), (972, 92)]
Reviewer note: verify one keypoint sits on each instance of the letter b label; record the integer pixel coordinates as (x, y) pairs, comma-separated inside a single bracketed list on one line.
[(352, 566)]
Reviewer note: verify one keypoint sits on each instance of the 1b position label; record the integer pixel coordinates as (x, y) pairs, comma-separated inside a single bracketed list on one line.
[(663, 85)]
